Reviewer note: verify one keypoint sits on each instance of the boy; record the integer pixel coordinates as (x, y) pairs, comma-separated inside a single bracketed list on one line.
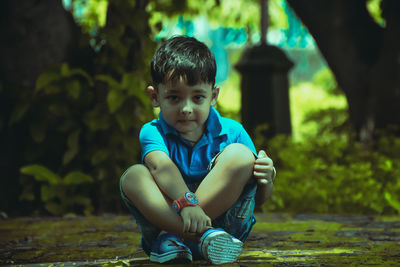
[(193, 198)]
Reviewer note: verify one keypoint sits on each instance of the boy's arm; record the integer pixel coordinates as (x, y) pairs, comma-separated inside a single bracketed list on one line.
[(166, 174), (170, 180), (264, 191), (264, 173), (263, 169)]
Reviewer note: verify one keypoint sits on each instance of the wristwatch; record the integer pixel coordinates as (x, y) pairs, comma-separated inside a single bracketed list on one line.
[(187, 199)]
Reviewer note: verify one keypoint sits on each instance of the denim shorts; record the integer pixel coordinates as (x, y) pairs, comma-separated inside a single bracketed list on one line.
[(238, 220)]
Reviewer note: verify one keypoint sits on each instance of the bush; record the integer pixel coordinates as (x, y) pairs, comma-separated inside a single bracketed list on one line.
[(83, 122), (332, 172)]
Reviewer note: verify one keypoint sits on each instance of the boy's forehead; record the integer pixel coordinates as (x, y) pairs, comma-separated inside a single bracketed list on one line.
[(184, 86), (174, 80)]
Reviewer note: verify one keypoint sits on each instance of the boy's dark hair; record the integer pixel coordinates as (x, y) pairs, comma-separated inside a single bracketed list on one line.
[(183, 57)]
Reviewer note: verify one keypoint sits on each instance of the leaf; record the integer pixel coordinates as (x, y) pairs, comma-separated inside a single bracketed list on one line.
[(140, 95), (97, 119), (115, 99), (128, 80), (99, 156), (47, 193), (54, 208), (28, 196), (60, 109), (83, 201), (46, 78), (394, 203), (109, 80), (38, 131), (18, 112), (388, 165), (76, 178), (123, 121), (135, 86), (52, 89), (41, 174), (74, 89), (64, 70), (73, 147), (82, 73)]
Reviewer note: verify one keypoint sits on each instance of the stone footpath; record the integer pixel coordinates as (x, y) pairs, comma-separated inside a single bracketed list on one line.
[(277, 240)]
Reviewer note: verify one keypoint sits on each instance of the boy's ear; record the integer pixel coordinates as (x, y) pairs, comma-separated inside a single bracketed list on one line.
[(214, 96), (153, 96)]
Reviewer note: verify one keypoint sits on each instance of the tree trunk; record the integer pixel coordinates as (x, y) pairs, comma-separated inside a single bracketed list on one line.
[(364, 57), (34, 35)]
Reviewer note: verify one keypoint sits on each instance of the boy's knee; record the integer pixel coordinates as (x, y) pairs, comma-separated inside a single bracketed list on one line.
[(132, 175), (238, 156)]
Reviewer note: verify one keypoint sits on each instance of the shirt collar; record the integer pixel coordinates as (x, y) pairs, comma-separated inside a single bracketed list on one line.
[(213, 124), (165, 126)]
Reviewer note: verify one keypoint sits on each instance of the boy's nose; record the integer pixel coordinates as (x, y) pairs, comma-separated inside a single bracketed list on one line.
[(187, 108)]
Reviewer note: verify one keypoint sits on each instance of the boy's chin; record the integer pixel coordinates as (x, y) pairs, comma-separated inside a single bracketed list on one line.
[(189, 130), (185, 130)]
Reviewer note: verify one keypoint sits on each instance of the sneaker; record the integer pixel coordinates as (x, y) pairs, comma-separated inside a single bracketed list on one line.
[(218, 247), (169, 248)]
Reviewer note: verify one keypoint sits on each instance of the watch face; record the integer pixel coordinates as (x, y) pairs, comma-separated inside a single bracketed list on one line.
[(191, 198)]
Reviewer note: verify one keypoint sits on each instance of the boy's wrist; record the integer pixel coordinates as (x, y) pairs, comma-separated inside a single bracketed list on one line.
[(187, 199)]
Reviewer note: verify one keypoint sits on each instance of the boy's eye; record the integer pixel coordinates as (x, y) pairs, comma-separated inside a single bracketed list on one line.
[(199, 97), (172, 97)]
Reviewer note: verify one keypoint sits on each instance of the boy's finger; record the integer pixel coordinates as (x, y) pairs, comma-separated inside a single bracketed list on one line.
[(260, 175), (261, 154), (193, 227), (186, 225), (263, 168), (262, 181), (264, 161)]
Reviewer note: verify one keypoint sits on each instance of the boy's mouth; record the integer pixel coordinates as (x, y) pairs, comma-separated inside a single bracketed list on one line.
[(184, 121)]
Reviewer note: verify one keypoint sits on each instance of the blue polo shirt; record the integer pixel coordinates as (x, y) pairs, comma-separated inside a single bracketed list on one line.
[(193, 161)]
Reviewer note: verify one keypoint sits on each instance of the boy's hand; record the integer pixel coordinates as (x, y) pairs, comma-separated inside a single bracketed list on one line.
[(264, 170), (194, 219)]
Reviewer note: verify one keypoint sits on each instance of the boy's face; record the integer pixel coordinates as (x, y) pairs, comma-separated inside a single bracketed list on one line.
[(184, 107)]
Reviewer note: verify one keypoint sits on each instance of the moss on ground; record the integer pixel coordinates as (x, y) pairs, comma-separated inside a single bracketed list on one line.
[(277, 239)]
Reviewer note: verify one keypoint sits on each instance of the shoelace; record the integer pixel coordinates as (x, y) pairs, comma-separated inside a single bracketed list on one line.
[(175, 243)]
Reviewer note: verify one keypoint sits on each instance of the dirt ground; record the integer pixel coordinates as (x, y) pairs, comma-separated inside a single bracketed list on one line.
[(276, 240)]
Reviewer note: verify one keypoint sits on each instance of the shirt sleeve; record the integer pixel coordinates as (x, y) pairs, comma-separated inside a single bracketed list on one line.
[(245, 139), (152, 139)]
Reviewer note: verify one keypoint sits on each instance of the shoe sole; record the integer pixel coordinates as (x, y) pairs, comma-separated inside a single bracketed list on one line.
[(222, 248), (173, 256)]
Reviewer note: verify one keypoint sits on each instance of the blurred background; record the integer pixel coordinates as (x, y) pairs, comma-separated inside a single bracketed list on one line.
[(316, 84)]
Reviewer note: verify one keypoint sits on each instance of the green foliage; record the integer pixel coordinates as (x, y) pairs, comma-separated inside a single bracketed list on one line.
[(91, 14), (330, 172), (374, 9), (84, 121), (225, 13), (60, 195), (318, 98)]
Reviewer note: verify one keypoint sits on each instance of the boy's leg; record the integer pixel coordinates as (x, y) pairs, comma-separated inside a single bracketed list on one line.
[(151, 209), (227, 196), (148, 230), (238, 220), (140, 188), (223, 185)]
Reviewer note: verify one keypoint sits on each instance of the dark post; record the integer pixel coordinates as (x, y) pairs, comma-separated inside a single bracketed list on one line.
[(265, 86)]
